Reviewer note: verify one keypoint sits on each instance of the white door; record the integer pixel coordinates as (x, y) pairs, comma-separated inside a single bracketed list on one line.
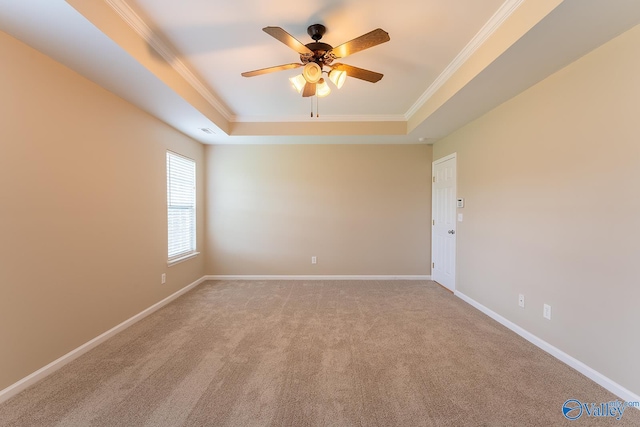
[(443, 236)]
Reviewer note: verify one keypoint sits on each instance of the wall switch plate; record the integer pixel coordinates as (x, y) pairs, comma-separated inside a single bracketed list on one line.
[(546, 311), (163, 278), (521, 300), (459, 217), (314, 260)]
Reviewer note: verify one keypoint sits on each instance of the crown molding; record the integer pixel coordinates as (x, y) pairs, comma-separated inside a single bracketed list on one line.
[(141, 28), (129, 16), (323, 118), (507, 8)]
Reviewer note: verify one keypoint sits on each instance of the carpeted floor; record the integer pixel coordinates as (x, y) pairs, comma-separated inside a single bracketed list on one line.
[(312, 353)]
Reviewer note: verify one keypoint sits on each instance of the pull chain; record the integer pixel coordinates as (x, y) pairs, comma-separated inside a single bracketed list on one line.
[(317, 109)]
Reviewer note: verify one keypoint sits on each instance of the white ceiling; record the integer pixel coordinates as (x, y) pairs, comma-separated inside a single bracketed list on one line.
[(216, 41), (222, 39)]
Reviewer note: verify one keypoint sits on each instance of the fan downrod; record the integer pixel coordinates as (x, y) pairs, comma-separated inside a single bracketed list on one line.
[(316, 31)]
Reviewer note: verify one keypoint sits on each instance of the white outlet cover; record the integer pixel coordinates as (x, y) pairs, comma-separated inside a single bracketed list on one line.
[(521, 300), (546, 311)]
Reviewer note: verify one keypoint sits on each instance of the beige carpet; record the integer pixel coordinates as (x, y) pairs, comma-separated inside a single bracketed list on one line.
[(296, 353)]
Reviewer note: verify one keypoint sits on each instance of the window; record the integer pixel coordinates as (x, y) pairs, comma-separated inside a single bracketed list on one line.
[(181, 207)]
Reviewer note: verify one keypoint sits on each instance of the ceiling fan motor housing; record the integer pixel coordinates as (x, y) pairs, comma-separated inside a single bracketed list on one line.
[(319, 49)]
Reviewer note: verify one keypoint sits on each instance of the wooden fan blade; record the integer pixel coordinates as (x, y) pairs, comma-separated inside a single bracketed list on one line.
[(270, 70), (286, 38), (309, 90), (358, 73), (363, 42)]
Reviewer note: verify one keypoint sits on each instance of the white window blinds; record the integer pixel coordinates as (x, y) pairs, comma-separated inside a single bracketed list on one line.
[(181, 205)]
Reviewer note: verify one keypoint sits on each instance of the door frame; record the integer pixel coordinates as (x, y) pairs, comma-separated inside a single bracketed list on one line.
[(451, 156)]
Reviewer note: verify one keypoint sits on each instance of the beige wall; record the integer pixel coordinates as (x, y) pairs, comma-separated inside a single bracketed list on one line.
[(552, 186), (83, 210), (361, 209)]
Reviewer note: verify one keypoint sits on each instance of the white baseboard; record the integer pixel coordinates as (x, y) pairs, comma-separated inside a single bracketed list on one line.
[(595, 376), (31, 379), (313, 277)]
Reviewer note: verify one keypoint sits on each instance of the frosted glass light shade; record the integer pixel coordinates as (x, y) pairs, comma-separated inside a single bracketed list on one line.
[(312, 72), (298, 82), (338, 77), (322, 88)]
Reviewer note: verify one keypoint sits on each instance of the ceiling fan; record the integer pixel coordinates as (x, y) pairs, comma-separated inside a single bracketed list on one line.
[(317, 55)]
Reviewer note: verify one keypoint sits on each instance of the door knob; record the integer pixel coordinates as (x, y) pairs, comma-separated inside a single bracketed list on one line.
[(451, 231)]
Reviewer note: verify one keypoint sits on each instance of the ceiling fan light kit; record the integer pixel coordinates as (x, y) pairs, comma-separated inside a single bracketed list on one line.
[(338, 77), (312, 72), (322, 89), (298, 82), (316, 55)]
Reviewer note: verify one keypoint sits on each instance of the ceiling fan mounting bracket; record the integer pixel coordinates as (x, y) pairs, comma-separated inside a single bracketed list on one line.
[(316, 31)]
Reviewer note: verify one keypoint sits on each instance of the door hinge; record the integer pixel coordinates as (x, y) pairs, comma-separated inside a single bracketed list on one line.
[(433, 265), (433, 222), (433, 179)]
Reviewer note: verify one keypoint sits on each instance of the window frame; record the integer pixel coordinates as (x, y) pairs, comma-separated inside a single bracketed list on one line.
[(192, 251)]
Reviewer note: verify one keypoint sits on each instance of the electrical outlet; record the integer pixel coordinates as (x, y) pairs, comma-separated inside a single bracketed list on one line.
[(521, 300), (546, 311), (314, 260), (163, 278)]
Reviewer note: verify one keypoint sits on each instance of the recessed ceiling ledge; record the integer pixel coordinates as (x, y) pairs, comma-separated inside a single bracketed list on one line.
[(519, 21), (322, 128), (132, 35)]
